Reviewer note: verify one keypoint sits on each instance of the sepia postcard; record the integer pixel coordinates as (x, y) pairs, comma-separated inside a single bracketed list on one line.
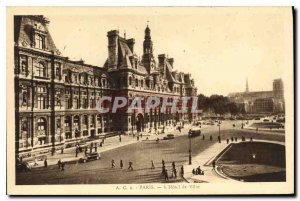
[(150, 101)]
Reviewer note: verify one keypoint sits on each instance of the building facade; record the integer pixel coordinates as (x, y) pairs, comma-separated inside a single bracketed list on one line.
[(265, 102), (56, 97)]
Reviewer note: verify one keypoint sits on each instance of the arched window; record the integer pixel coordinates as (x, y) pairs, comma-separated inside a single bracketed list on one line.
[(76, 121), (130, 81), (91, 102), (136, 82), (41, 70), (39, 41), (103, 82), (41, 124), (85, 120)]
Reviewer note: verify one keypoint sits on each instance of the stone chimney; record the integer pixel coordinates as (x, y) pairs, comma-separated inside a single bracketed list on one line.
[(161, 59), (130, 43), (112, 48)]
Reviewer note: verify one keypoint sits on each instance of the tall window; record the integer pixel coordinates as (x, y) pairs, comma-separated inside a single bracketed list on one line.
[(41, 102), (41, 124), (41, 70), (39, 41), (92, 103)]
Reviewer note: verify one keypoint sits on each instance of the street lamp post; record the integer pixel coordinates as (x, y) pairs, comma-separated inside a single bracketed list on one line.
[(219, 132), (190, 150)]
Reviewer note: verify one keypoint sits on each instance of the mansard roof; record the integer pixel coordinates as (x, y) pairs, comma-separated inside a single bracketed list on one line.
[(25, 28)]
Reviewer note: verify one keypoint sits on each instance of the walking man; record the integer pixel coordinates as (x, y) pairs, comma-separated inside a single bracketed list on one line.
[(113, 165), (227, 140), (175, 173), (203, 137), (210, 138), (76, 152), (173, 165), (120, 139), (166, 175), (130, 166), (121, 164), (182, 171), (59, 163), (152, 165), (45, 163), (62, 166), (219, 139)]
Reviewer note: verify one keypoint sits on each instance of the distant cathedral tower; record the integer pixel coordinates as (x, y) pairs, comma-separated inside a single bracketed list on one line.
[(247, 87)]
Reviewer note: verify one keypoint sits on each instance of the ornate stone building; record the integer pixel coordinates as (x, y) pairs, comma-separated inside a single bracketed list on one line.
[(56, 97)]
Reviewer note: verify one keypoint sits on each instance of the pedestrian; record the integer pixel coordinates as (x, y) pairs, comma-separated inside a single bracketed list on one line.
[(175, 173), (59, 163), (120, 139), (173, 165), (113, 165), (45, 163), (231, 139), (152, 165), (166, 175), (203, 137), (219, 139), (101, 144), (236, 139), (182, 171), (214, 164), (62, 166), (210, 138), (163, 170), (130, 166), (179, 129), (163, 162), (62, 150), (193, 171), (76, 152), (137, 138), (121, 164), (157, 140), (227, 140), (251, 139)]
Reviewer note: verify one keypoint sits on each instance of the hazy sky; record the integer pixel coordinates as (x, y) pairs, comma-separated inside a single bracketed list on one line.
[(219, 47)]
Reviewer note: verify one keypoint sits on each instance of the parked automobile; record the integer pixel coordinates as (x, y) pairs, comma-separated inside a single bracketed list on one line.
[(90, 157), (23, 167), (169, 137), (194, 132), (266, 120), (257, 118)]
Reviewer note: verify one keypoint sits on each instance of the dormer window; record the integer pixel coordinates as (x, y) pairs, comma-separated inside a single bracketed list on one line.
[(39, 41)]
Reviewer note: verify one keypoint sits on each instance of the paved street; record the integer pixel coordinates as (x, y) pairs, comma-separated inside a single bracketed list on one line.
[(141, 154)]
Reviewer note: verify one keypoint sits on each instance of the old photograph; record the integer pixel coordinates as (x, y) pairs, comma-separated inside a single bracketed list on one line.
[(150, 100)]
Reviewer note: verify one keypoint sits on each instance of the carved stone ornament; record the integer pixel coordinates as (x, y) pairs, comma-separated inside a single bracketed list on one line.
[(58, 52), (24, 43)]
